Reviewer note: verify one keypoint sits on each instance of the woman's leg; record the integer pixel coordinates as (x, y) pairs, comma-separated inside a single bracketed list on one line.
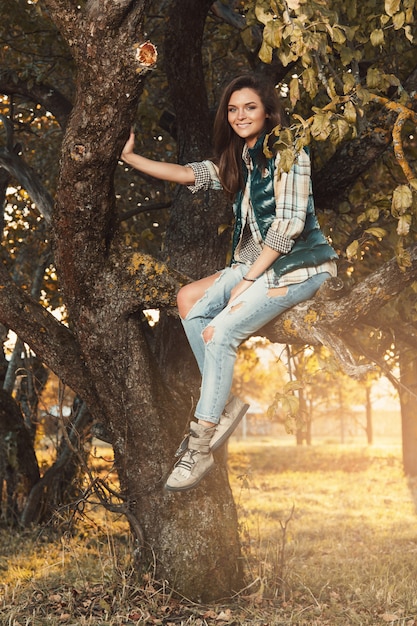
[(221, 338), (200, 301), (254, 308)]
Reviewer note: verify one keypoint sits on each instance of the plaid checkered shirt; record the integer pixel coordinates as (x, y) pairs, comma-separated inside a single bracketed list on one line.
[(292, 191)]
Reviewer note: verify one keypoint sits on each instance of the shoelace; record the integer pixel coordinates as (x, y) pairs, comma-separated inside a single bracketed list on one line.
[(185, 465)]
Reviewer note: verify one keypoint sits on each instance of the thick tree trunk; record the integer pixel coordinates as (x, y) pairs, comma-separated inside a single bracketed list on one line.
[(192, 537)]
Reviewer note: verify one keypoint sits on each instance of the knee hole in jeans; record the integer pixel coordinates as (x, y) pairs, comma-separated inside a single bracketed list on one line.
[(208, 334)]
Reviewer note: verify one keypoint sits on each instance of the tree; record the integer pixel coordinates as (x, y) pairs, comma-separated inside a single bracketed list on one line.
[(103, 351)]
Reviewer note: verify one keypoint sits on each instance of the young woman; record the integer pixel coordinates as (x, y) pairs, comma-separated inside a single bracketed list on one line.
[(279, 258)]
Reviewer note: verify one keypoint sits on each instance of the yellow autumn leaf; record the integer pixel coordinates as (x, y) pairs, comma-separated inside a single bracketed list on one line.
[(287, 158), (346, 54), (379, 233), (392, 6), (338, 35), (339, 131), (402, 199), (222, 228), (321, 127), (265, 53), (408, 33), (263, 16), (273, 33), (310, 82), (377, 37), (352, 249), (398, 20), (348, 82), (292, 385), (403, 226), (294, 91), (374, 78), (349, 112)]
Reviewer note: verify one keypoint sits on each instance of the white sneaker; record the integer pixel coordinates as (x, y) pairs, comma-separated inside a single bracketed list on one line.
[(232, 414), (196, 461)]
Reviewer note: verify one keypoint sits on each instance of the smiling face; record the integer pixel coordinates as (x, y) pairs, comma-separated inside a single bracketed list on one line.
[(246, 115)]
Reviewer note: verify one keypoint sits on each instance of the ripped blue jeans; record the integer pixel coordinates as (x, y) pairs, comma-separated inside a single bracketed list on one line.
[(232, 324)]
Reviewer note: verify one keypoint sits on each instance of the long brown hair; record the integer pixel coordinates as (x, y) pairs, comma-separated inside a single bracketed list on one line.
[(228, 145)]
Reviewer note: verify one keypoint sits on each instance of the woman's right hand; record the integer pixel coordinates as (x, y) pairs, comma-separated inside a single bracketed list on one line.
[(128, 147)]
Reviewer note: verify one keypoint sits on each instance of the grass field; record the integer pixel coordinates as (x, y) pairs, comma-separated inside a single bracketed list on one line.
[(329, 537)]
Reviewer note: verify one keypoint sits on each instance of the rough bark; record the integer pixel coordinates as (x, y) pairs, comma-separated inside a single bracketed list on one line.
[(199, 228), (114, 358)]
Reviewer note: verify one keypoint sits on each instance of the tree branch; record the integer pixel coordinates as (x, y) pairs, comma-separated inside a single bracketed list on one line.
[(23, 174), (41, 93), (328, 322), (66, 16), (47, 337)]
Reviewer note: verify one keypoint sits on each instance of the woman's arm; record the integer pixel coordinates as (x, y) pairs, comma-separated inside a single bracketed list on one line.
[(262, 263), (172, 172)]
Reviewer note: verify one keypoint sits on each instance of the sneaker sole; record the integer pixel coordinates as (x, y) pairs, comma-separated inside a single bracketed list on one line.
[(231, 430), (187, 487)]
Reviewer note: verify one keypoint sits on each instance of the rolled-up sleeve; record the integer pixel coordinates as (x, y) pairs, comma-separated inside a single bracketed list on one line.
[(206, 176), (292, 191)]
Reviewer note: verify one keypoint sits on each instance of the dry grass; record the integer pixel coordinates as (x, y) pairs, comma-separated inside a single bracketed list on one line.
[(329, 538)]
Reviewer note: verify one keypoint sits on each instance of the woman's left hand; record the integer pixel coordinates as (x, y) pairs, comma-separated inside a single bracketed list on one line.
[(242, 286)]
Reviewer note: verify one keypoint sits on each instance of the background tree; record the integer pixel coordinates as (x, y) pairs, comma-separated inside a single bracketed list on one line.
[(329, 65)]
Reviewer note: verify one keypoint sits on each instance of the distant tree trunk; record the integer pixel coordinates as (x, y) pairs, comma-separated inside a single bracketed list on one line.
[(408, 403), (369, 424), (303, 433), (341, 411), (18, 465)]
